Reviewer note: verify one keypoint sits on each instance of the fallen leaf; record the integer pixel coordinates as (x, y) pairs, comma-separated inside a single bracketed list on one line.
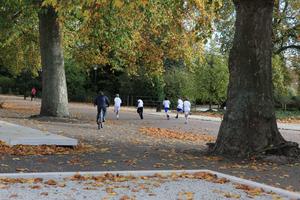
[(51, 182)]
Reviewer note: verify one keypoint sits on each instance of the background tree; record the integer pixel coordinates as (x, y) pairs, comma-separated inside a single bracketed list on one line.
[(211, 78), (54, 97), (249, 125)]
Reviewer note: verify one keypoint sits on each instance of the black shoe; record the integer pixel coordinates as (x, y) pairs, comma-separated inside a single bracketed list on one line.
[(168, 117), (176, 117)]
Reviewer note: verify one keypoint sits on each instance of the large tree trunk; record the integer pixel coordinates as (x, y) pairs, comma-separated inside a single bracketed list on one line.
[(249, 125), (54, 96)]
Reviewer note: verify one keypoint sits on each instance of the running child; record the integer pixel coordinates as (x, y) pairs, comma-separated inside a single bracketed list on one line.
[(186, 109), (117, 106), (179, 107), (166, 104), (140, 108)]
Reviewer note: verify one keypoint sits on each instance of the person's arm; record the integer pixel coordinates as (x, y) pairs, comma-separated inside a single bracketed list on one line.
[(95, 101), (107, 101)]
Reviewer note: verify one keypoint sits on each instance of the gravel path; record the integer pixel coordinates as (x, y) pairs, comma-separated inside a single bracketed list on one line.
[(135, 185)]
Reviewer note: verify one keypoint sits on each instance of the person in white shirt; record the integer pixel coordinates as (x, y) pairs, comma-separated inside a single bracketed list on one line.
[(140, 108), (166, 104), (186, 109), (117, 106), (179, 107)]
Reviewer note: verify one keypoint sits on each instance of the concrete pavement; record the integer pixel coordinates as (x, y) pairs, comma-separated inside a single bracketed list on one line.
[(13, 134)]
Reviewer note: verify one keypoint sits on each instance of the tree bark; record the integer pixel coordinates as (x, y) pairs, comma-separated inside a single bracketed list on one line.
[(249, 125), (54, 96)]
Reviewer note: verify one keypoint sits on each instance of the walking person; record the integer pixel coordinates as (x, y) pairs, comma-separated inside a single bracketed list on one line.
[(102, 103), (166, 104), (186, 109), (179, 107), (117, 106), (140, 107), (33, 93)]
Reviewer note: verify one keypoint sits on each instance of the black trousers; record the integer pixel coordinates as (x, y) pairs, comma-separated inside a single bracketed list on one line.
[(103, 112), (140, 111)]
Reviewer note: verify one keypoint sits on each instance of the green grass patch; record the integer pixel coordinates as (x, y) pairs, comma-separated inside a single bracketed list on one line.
[(280, 114)]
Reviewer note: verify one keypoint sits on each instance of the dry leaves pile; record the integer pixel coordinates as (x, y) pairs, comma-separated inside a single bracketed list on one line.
[(20, 108), (167, 133), (295, 120), (251, 191), (22, 150)]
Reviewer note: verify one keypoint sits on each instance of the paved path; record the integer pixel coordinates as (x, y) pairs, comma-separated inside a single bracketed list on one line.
[(13, 134), (282, 126), (122, 146)]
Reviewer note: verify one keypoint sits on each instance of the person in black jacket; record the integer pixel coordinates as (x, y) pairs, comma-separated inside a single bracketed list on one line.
[(102, 103)]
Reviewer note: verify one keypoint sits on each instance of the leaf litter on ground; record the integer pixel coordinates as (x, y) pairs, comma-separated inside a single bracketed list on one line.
[(172, 134), (24, 150)]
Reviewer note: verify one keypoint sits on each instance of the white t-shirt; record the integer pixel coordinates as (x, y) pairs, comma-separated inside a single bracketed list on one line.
[(140, 103), (186, 106), (180, 104), (166, 103), (118, 102)]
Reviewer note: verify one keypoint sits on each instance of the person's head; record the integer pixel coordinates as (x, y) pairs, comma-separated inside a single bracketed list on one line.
[(101, 92), (117, 95), (166, 98)]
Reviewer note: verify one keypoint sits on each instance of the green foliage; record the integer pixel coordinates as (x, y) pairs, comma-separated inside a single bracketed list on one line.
[(142, 85), (19, 44), (211, 78), (76, 81), (280, 114), (6, 83), (280, 78), (179, 83)]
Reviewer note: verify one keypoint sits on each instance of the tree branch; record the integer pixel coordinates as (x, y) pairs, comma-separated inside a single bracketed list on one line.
[(287, 47)]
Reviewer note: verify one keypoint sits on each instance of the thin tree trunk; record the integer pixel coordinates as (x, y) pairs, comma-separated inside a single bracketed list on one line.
[(249, 125), (54, 96)]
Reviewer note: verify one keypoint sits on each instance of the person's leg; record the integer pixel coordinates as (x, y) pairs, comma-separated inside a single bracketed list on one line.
[(118, 111), (104, 114), (98, 115), (186, 114), (167, 110), (139, 111), (142, 110), (177, 111), (31, 97)]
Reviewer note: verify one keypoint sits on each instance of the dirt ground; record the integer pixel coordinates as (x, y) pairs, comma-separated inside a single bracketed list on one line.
[(123, 145)]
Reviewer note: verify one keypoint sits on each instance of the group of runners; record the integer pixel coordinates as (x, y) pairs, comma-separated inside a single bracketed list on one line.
[(102, 102)]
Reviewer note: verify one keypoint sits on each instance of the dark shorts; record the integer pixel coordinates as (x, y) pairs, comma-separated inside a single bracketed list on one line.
[(179, 110), (166, 109)]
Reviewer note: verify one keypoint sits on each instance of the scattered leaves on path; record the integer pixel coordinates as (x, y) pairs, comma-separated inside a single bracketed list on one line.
[(148, 182), (20, 108), (251, 191), (22, 150), (171, 134)]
